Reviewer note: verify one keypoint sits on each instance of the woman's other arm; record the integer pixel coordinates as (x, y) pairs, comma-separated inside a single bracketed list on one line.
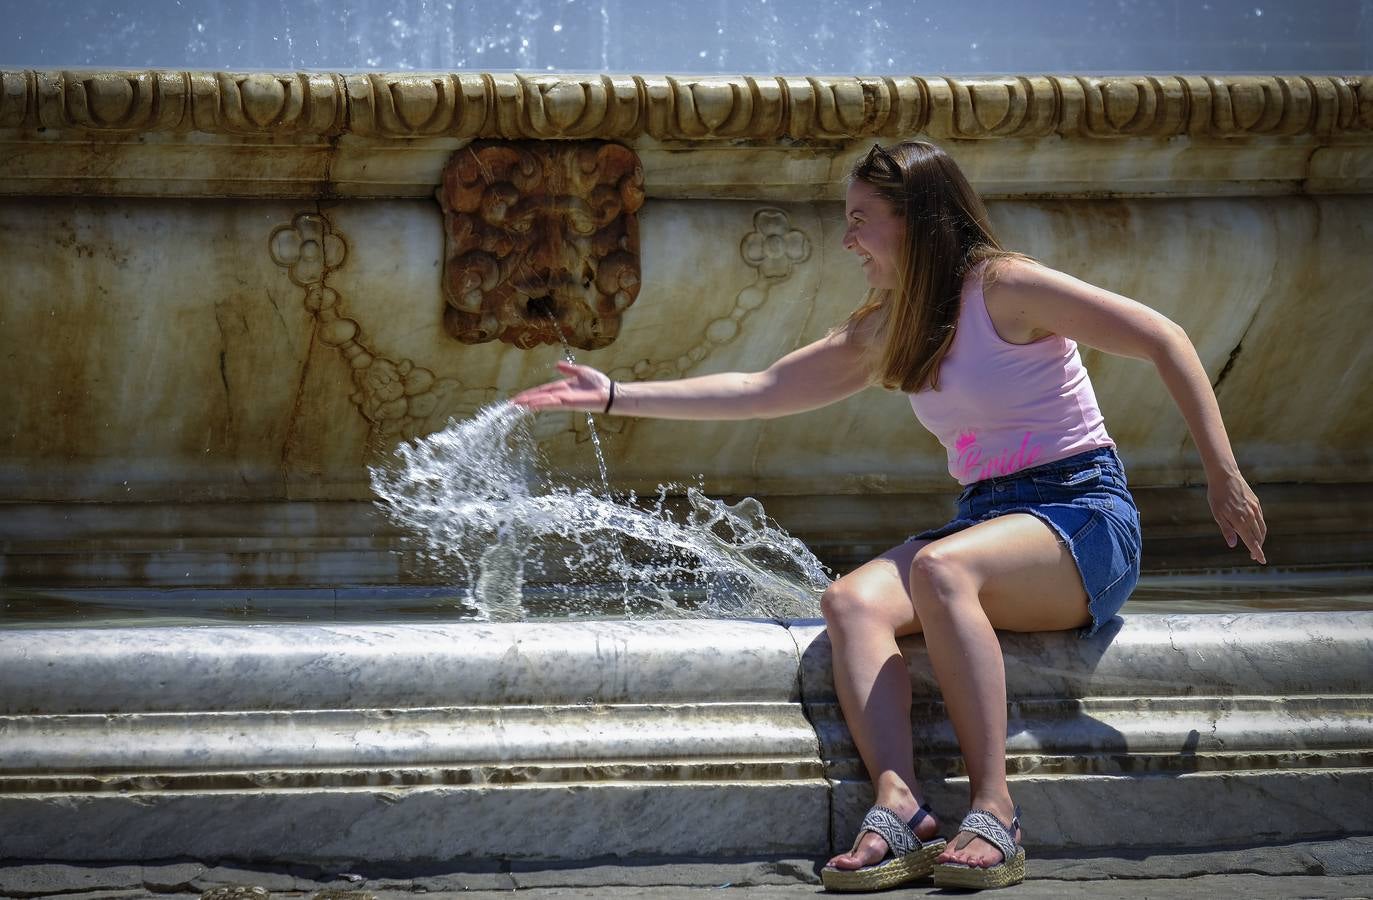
[(813, 376), (1027, 301)]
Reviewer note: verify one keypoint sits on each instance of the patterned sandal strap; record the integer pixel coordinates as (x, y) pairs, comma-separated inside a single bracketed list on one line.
[(889, 826), (987, 826)]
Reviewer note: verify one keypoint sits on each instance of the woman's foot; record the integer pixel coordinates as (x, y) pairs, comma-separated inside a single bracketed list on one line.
[(973, 850), (872, 849)]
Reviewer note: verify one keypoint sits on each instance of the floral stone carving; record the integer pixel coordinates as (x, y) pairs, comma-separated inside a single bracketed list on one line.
[(541, 239), (398, 399)]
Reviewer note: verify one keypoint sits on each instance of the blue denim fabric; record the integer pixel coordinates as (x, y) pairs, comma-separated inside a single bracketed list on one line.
[(1086, 502)]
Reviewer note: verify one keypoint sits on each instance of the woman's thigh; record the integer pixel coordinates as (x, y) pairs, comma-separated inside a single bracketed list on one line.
[(882, 588), (1024, 577)]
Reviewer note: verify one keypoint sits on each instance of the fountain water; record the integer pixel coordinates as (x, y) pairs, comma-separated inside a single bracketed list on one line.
[(480, 500)]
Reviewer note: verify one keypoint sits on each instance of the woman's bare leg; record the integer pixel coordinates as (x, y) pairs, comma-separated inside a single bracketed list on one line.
[(1010, 573), (865, 611)]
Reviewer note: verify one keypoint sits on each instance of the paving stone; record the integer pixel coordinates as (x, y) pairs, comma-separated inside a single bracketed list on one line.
[(466, 881), (531, 874), (40, 879), (236, 875), (236, 892), (168, 877), (1349, 856)]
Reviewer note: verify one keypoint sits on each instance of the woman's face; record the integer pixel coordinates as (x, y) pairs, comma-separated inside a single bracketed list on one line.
[(876, 233)]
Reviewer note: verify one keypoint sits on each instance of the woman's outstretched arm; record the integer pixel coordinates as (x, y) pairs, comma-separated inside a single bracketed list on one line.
[(815, 375), (1027, 301)]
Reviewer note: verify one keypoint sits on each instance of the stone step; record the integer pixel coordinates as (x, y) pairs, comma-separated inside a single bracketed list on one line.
[(569, 740)]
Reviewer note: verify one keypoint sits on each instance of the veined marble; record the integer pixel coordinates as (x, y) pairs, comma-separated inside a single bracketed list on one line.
[(660, 738)]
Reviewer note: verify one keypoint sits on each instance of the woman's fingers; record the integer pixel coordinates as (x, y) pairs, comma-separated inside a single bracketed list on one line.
[(1239, 515), (1249, 529), (585, 388)]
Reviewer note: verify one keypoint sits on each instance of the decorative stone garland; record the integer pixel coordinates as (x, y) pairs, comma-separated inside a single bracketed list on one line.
[(398, 399), (475, 104), (774, 248)]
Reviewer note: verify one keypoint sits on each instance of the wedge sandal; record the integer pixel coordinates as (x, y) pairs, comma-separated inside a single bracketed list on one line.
[(908, 858), (1011, 869)]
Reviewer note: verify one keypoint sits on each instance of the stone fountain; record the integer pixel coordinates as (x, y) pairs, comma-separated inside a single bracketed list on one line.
[(225, 295)]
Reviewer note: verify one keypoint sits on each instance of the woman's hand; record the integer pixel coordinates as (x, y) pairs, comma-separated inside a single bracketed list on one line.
[(583, 388), (1238, 513)]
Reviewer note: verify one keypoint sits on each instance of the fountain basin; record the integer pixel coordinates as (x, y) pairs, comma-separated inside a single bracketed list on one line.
[(693, 738)]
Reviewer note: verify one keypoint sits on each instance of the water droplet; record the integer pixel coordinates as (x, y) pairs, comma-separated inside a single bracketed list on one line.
[(1257, 11), (557, 26)]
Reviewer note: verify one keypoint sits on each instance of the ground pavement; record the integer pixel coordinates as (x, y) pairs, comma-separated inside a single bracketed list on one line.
[(1325, 869)]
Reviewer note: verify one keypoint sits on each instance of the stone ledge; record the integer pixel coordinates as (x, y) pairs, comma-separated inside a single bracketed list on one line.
[(276, 545), (666, 107), (697, 738), (326, 136)]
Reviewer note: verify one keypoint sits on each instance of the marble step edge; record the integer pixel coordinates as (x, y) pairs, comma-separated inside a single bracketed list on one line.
[(1163, 810), (646, 772), (1252, 654), (932, 768), (47, 761), (393, 666), (1197, 724), (1252, 731), (51, 671), (1126, 763), (504, 738), (424, 823)]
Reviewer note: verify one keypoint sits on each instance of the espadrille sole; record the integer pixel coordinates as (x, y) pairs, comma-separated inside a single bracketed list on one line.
[(887, 874), (1003, 874)]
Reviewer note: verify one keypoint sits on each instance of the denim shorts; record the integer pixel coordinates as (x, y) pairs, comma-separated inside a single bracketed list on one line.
[(1085, 501)]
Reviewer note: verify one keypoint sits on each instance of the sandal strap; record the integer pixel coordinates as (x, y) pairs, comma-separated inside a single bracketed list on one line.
[(988, 827), (890, 827)]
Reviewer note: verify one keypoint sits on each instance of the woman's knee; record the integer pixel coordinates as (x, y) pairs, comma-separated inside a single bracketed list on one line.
[(845, 601), (940, 577)]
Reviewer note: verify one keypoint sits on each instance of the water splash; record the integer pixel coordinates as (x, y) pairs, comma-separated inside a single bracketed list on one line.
[(486, 510)]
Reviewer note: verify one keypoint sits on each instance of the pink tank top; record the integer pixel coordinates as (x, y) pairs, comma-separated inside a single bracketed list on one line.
[(1004, 407)]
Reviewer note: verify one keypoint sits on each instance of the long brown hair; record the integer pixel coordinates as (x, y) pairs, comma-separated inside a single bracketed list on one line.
[(947, 234)]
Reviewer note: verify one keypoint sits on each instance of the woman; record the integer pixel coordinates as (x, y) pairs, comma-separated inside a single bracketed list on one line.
[(1046, 536)]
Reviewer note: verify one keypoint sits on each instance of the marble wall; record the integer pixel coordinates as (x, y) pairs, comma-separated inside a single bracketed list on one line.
[(165, 351), (242, 302)]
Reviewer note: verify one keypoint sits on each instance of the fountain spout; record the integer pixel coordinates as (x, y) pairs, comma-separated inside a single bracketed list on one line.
[(541, 237)]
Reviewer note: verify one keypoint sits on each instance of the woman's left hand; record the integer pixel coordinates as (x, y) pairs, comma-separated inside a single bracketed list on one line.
[(1238, 513)]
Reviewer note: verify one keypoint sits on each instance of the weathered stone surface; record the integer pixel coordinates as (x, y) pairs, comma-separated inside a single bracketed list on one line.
[(395, 666), (335, 135), (631, 818), (292, 375), (647, 738), (41, 879), (542, 242)]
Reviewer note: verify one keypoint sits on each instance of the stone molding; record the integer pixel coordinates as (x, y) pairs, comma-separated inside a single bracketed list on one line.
[(696, 108), (392, 736)]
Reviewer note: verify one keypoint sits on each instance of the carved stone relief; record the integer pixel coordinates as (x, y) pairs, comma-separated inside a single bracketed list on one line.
[(542, 242), (397, 398), (515, 106), (773, 249)]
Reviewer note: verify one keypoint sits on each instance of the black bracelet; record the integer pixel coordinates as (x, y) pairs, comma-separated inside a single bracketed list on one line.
[(610, 400)]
